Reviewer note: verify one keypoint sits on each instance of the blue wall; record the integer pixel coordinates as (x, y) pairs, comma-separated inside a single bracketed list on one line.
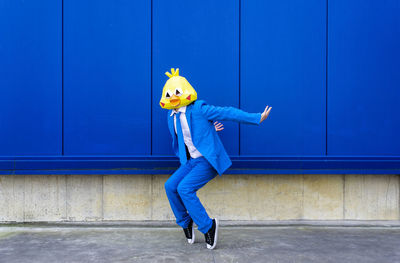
[(107, 77), (283, 64), (363, 77), (83, 78), (30, 78)]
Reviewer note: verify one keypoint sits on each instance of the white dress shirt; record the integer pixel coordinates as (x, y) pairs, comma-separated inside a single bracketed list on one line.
[(194, 153)]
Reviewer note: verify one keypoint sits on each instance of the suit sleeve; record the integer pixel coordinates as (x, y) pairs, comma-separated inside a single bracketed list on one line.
[(228, 114)]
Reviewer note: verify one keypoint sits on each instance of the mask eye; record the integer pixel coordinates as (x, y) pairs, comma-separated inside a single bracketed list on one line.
[(178, 92), (167, 95)]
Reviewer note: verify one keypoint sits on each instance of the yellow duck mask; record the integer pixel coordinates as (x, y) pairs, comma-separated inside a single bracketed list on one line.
[(177, 91)]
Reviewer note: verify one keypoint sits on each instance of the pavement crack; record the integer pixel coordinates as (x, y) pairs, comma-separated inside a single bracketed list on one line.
[(213, 254)]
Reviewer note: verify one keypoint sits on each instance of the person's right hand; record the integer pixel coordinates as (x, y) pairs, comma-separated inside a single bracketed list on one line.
[(265, 114)]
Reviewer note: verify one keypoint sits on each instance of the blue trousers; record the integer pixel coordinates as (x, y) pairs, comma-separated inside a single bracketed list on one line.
[(181, 190)]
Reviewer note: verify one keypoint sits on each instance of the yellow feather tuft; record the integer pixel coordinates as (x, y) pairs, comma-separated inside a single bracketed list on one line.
[(174, 73)]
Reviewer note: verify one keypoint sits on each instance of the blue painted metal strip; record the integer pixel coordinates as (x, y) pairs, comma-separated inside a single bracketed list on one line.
[(170, 171), (166, 165)]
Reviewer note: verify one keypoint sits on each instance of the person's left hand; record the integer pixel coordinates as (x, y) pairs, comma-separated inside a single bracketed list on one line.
[(218, 126), (265, 114)]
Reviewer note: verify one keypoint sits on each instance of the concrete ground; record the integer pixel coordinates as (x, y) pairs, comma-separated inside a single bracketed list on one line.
[(167, 244)]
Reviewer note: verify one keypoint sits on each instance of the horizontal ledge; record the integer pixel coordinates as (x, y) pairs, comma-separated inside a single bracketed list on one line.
[(169, 157), (170, 171), (107, 224), (168, 164)]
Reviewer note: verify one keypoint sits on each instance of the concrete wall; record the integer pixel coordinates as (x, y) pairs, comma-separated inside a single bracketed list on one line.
[(230, 197)]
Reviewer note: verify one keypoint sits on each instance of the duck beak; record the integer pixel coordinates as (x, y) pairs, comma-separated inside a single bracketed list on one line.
[(175, 100)]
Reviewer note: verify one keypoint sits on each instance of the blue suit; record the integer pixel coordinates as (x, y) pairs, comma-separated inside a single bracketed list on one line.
[(200, 117), (193, 174)]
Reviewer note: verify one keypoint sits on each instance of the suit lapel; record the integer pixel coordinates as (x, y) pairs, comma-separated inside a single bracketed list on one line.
[(189, 117)]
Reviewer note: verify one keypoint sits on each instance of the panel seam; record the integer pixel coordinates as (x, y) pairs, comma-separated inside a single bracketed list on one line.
[(326, 81), (344, 197), (239, 67), (62, 77), (102, 197), (151, 77)]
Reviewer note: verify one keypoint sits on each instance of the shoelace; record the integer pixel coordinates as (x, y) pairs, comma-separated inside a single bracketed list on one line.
[(208, 238), (187, 232)]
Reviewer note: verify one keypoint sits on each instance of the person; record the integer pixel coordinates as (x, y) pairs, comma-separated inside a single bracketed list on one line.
[(200, 151)]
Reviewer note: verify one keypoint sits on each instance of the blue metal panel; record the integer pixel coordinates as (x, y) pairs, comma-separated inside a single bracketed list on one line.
[(107, 47), (200, 38), (30, 77), (364, 77), (167, 165), (283, 50)]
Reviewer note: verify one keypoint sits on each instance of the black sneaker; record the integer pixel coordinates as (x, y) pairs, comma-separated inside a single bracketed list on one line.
[(212, 235), (189, 232)]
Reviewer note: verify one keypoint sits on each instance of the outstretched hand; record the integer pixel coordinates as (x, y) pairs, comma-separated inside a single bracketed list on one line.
[(265, 114), (218, 126)]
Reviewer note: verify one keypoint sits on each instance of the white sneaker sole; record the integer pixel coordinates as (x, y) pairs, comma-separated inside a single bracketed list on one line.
[(216, 236), (191, 241)]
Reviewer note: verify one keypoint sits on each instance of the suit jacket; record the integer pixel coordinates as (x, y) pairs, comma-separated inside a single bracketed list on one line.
[(200, 117)]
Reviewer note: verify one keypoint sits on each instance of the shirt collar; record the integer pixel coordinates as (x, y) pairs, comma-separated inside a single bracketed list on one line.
[(180, 109)]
